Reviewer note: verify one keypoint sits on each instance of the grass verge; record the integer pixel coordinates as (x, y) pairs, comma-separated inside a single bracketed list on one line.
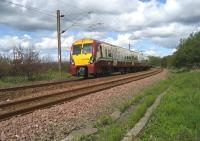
[(103, 121), (177, 118), (116, 130), (21, 80)]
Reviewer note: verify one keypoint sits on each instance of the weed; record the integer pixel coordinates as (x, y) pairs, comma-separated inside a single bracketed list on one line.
[(103, 121)]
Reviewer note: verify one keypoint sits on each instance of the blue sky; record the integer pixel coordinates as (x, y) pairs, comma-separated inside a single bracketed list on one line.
[(160, 1), (152, 26)]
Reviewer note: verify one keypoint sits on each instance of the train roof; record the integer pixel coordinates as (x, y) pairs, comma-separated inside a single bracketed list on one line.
[(90, 40), (83, 40)]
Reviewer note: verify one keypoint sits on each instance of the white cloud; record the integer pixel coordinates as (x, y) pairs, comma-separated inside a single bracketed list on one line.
[(7, 43), (121, 40), (166, 35), (46, 43), (49, 43), (94, 35), (47, 46), (131, 20), (151, 53), (173, 50), (116, 14)]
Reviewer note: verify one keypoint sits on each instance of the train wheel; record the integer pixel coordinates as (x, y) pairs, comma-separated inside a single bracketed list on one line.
[(86, 73), (77, 73), (96, 75)]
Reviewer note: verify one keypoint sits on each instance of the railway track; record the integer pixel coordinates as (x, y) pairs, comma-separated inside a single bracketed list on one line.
[(38, 85), (22, 106), (12, 93)]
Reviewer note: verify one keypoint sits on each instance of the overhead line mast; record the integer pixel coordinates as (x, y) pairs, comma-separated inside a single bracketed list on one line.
[(59, 43)]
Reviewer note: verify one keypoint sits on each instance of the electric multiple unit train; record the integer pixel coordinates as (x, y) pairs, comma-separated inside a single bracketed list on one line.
[(93, 57)]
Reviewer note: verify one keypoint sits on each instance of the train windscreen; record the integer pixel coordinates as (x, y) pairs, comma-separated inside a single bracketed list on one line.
[(87, 48), (76, 49)]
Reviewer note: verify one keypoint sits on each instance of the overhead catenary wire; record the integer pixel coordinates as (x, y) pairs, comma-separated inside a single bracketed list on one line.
[(45, 12), (81, 12), (91, 25), (71, 5), (38, 10)]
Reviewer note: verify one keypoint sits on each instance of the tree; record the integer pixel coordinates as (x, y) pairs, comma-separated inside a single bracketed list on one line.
[(29, 63), (188, 52), (5, 67), (154, 61), (165, 61)]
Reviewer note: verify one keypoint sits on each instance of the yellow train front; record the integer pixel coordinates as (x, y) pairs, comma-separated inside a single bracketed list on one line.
[(82, 57), (89, 56)]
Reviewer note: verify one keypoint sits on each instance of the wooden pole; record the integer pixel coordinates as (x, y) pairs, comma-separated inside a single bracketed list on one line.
[(59, 44)]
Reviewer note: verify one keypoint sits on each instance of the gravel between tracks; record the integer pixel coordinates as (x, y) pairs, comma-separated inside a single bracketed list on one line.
[(56, 122), (36, 91)]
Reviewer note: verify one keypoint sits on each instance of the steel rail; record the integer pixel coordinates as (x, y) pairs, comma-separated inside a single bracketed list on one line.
[(43, 84), (23, 106)]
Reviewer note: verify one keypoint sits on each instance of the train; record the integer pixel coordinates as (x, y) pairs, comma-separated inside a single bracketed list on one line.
[(93, 57)]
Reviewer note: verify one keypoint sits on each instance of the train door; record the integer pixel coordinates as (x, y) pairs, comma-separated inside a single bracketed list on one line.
[(99, 53), (114, 56)]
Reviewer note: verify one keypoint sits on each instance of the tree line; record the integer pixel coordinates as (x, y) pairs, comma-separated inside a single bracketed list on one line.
[(26, 63), (187, 55)]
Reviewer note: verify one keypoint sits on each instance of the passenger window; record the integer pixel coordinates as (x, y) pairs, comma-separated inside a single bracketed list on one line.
[(109, 53), (100, 47)]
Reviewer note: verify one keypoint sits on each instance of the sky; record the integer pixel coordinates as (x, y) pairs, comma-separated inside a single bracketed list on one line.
[(154, 27)]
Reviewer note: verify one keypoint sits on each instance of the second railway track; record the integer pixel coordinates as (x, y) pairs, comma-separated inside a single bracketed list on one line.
[(22, 106)]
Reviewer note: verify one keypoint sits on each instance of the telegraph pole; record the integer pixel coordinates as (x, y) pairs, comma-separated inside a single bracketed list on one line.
[(129, 46), (59, 43)]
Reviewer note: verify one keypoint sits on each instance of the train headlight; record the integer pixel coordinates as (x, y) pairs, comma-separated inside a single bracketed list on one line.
[(91, 60), (72, 61)]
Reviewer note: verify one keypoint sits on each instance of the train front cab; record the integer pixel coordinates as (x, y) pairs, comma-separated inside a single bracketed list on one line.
[(82, 58)]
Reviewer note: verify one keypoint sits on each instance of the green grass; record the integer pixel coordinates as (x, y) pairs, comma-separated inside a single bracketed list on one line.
[(177, 118), (116, 130), (20, 80), (153, 89), (103, 121), (12, 81), (125, 105)]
